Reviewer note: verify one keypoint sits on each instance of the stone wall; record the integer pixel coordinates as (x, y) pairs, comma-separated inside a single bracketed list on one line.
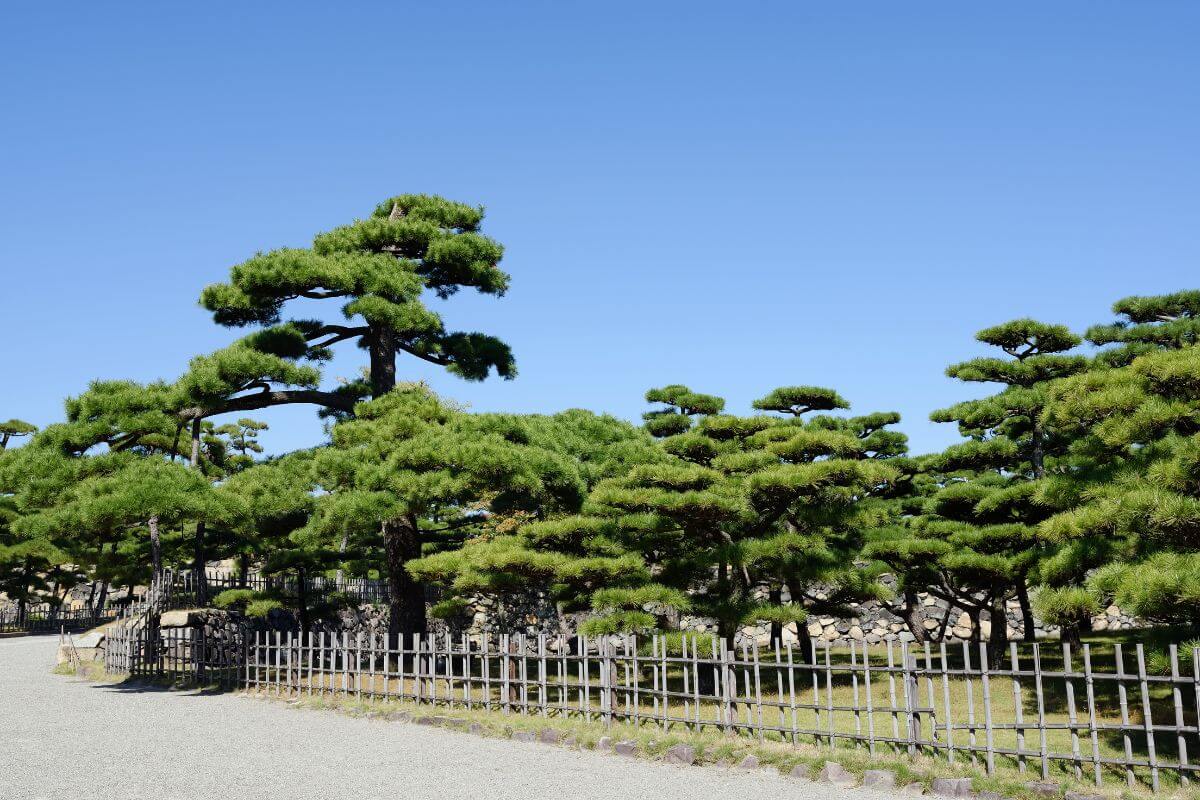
[(872, 622)]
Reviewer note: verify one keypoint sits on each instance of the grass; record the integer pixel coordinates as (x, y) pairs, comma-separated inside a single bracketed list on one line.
[(712, 747)]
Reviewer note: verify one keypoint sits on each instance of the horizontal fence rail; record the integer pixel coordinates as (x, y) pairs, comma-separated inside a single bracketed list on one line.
[(1052, 710)]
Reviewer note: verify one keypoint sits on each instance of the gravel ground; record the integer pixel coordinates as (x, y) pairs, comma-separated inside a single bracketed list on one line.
[(63, 738)]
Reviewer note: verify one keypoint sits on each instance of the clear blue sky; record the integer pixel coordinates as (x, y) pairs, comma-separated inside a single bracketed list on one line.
[(732, 196)]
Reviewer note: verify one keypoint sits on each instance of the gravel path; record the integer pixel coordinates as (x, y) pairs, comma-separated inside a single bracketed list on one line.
[(64, 738)]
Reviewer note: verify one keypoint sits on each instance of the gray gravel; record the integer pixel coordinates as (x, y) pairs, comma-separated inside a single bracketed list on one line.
[(64, 738)]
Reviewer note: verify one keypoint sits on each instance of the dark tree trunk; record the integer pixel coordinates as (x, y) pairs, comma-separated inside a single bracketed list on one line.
[(1070, 633), (155, 546), (243, 570), (1038, 455), (302, 601), (406, 596), (804, 643), (199, 561), (1028, 626), (776, 598), (914, 617), (998, 642), (382, 346), (96, 609)]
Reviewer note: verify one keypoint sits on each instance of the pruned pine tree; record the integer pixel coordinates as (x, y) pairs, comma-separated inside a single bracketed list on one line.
[(378, 269), (240, 441), (987, 508), (736, 510), (522, 558), (1132, 531), (13, 429), (277, 532), (1147, 324), (430, 470)]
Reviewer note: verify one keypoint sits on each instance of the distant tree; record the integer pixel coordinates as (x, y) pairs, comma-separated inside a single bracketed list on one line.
[(242, 438), (14, 428)]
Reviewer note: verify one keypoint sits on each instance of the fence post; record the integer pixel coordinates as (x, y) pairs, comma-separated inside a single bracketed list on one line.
[(912, 720), (606, 684), (1146, 719)]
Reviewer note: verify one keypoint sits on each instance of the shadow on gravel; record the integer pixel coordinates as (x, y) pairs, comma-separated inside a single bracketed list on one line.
[(149, 687)]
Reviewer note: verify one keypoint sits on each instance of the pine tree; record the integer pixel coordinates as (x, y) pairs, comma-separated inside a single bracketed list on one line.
[(1134, 521), (974, 540), (427, 470), (379, 269), (14, 428)]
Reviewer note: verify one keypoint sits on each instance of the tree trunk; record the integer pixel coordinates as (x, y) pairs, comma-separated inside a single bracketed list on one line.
[(776, 599), (804, 642), (382, 347), (302, 601), (914, 617), (1028, 626), (199, 561), (406, 596), (341, 573), (243, 570), (998, 643), (1038, 455), (155, 546)]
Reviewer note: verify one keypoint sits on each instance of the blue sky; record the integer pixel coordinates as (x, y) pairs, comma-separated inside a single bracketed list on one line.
[(732, 196)]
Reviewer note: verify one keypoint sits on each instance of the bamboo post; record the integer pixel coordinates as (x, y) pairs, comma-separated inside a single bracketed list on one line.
[(912, 721), (758, 692), (891, 673), (866, 659), (1147, 721), (1093, 733), (1177, 699), (1072, 717), (989, 736), (949, 722), (829, 696), (1017, 710), (1043, 749), (791, 672), (854, 692), (972, 744), (1122, 696)]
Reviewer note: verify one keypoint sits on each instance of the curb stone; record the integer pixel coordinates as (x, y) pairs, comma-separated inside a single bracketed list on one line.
[(952, 787), (800, 771), (524, 736), (1082, 796), (683, 754), (749, 762), (626, 747), (605, 745), (879, 779), (913, 789), (1043, 788), (836, 774), (550, 736)]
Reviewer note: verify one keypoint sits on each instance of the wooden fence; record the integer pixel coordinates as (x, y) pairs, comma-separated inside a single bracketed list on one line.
[(1101, 713), (360, 590), (46, 618)]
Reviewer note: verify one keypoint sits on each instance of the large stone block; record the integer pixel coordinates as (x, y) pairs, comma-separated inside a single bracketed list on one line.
[(683, 754)]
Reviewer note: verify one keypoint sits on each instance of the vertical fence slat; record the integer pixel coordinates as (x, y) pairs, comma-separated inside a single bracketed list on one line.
[(1122, 696), (1017, 705), (1043, 747), (1147, 720), (1177, 700), (1093, 733)]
